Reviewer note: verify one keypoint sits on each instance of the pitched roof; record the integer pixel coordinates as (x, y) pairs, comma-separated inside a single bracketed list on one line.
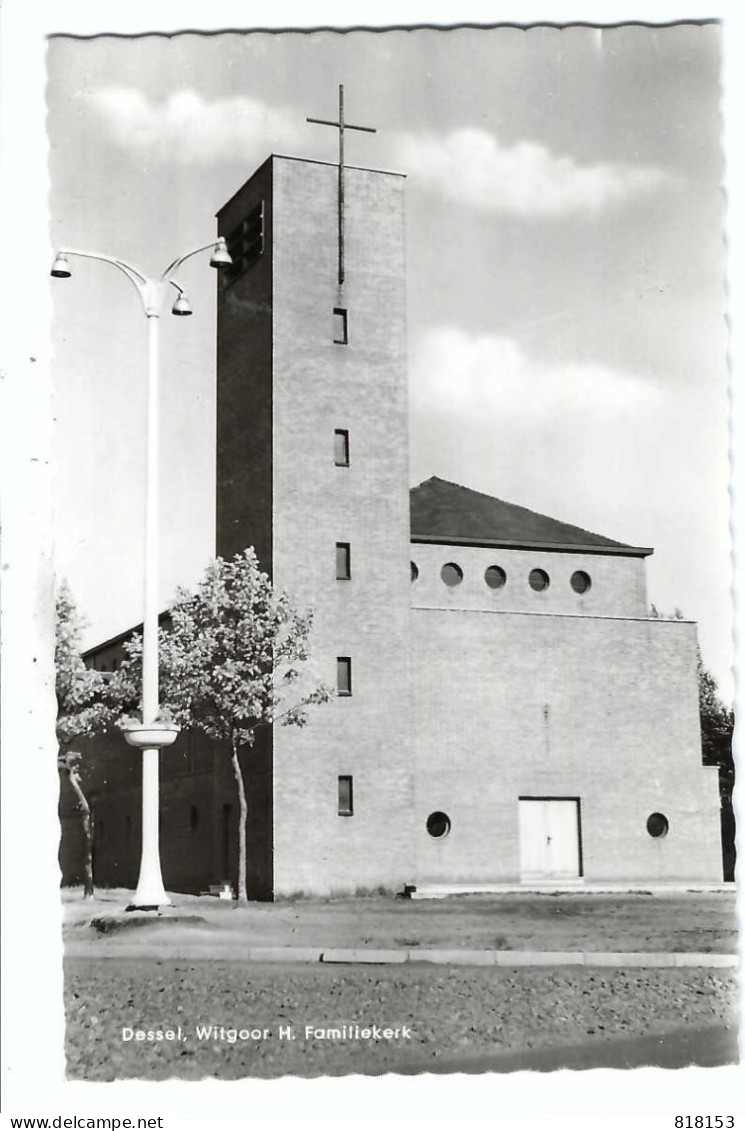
[(446, 512)]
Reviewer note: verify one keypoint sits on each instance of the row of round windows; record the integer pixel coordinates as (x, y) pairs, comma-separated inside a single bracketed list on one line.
[(439, 824), (495, 577)]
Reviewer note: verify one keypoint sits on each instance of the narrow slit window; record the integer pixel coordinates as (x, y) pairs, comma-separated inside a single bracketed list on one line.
[(345, 804), (343, 561), (343, 675), (245, 245), (340, 326), (341, 447)]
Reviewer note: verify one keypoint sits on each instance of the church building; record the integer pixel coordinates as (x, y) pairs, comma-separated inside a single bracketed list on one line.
[(506, 710)]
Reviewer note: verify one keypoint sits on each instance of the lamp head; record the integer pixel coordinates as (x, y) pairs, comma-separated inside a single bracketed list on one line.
[(60, 267), (220, 256), (181, 306)]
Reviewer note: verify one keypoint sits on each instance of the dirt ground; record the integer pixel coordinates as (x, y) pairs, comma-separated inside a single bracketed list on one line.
[(524, 921), (238, 1019)]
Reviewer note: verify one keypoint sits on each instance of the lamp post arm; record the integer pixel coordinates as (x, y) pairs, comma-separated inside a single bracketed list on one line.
[(166, 276), (138, 280)]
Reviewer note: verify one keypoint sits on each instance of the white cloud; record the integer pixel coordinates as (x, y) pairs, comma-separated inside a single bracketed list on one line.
[(188, 129), (478, 376), (580, 441), (524, 179), (468, 165)]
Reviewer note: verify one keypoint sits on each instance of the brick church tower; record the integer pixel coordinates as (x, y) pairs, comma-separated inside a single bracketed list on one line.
[(312, 471)]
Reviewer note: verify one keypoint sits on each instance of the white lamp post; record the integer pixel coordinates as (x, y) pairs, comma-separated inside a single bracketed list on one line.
[(151, 736)]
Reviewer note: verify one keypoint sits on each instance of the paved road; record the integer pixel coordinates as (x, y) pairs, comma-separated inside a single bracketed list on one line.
[(496, 1019)]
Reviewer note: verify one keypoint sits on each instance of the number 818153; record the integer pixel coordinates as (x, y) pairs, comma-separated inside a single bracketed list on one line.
[(707, 1121)]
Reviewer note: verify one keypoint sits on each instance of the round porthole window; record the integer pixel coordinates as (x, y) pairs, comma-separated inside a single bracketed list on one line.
[(538, 580), (438, 824), (580, 581), (414, 571), (657, 824), (451, 574), (495, 577)]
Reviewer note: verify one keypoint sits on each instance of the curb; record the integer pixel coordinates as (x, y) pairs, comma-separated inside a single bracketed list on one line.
[(447, 891), (365, 956), (413, 956)]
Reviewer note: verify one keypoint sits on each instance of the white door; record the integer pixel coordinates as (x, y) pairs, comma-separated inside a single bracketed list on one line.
[(549, 838)]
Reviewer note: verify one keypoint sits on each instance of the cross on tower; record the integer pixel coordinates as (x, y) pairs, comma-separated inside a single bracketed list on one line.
[(341, 126)]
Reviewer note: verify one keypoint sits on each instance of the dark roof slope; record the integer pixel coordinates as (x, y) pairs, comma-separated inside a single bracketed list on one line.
[(446, 512)]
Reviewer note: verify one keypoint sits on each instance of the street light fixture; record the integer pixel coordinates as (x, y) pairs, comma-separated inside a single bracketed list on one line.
[(181, 306), (60, 267), (220, 256), (151, 736)]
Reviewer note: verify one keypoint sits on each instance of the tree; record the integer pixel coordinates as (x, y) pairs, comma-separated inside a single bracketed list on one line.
[(717, 727), (717, 720), (229, 662), (81, 712)]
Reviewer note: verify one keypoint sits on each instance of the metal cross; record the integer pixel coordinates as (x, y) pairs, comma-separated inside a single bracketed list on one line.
[(341, 126)]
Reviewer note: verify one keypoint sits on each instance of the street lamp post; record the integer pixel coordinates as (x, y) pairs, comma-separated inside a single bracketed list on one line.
[(151, 736)]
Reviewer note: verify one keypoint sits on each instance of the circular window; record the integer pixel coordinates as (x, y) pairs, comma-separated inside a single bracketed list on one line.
[(451, 574), (538, 580), (438, 824), (414, 571), (495, 577), (657, 824), (580, 581)]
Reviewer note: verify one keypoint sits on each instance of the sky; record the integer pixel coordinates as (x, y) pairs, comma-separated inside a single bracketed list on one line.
[(565, 270)]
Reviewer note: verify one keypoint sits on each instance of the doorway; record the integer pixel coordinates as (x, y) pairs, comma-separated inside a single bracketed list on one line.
[(550, 838)]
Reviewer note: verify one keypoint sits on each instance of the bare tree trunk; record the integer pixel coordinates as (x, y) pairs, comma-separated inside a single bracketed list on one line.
[(87, 823), (242, 822)]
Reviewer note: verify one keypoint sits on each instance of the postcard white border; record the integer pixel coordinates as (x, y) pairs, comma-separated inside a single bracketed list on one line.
[(32, 1023)]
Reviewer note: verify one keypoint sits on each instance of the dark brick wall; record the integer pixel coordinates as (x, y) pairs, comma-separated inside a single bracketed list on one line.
[(111, 777), (71, 841), (244, 505), (244, 388), (257, 766)]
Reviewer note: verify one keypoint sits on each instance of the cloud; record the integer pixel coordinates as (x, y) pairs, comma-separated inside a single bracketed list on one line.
[(468, 165), (488, 375), (581, 441), (524, 179), (192, 131)]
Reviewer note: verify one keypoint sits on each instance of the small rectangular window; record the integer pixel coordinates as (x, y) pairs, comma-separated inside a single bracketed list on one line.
[(346, 806), (343, 561), (340, 326), (343, 675), (341, 447)]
